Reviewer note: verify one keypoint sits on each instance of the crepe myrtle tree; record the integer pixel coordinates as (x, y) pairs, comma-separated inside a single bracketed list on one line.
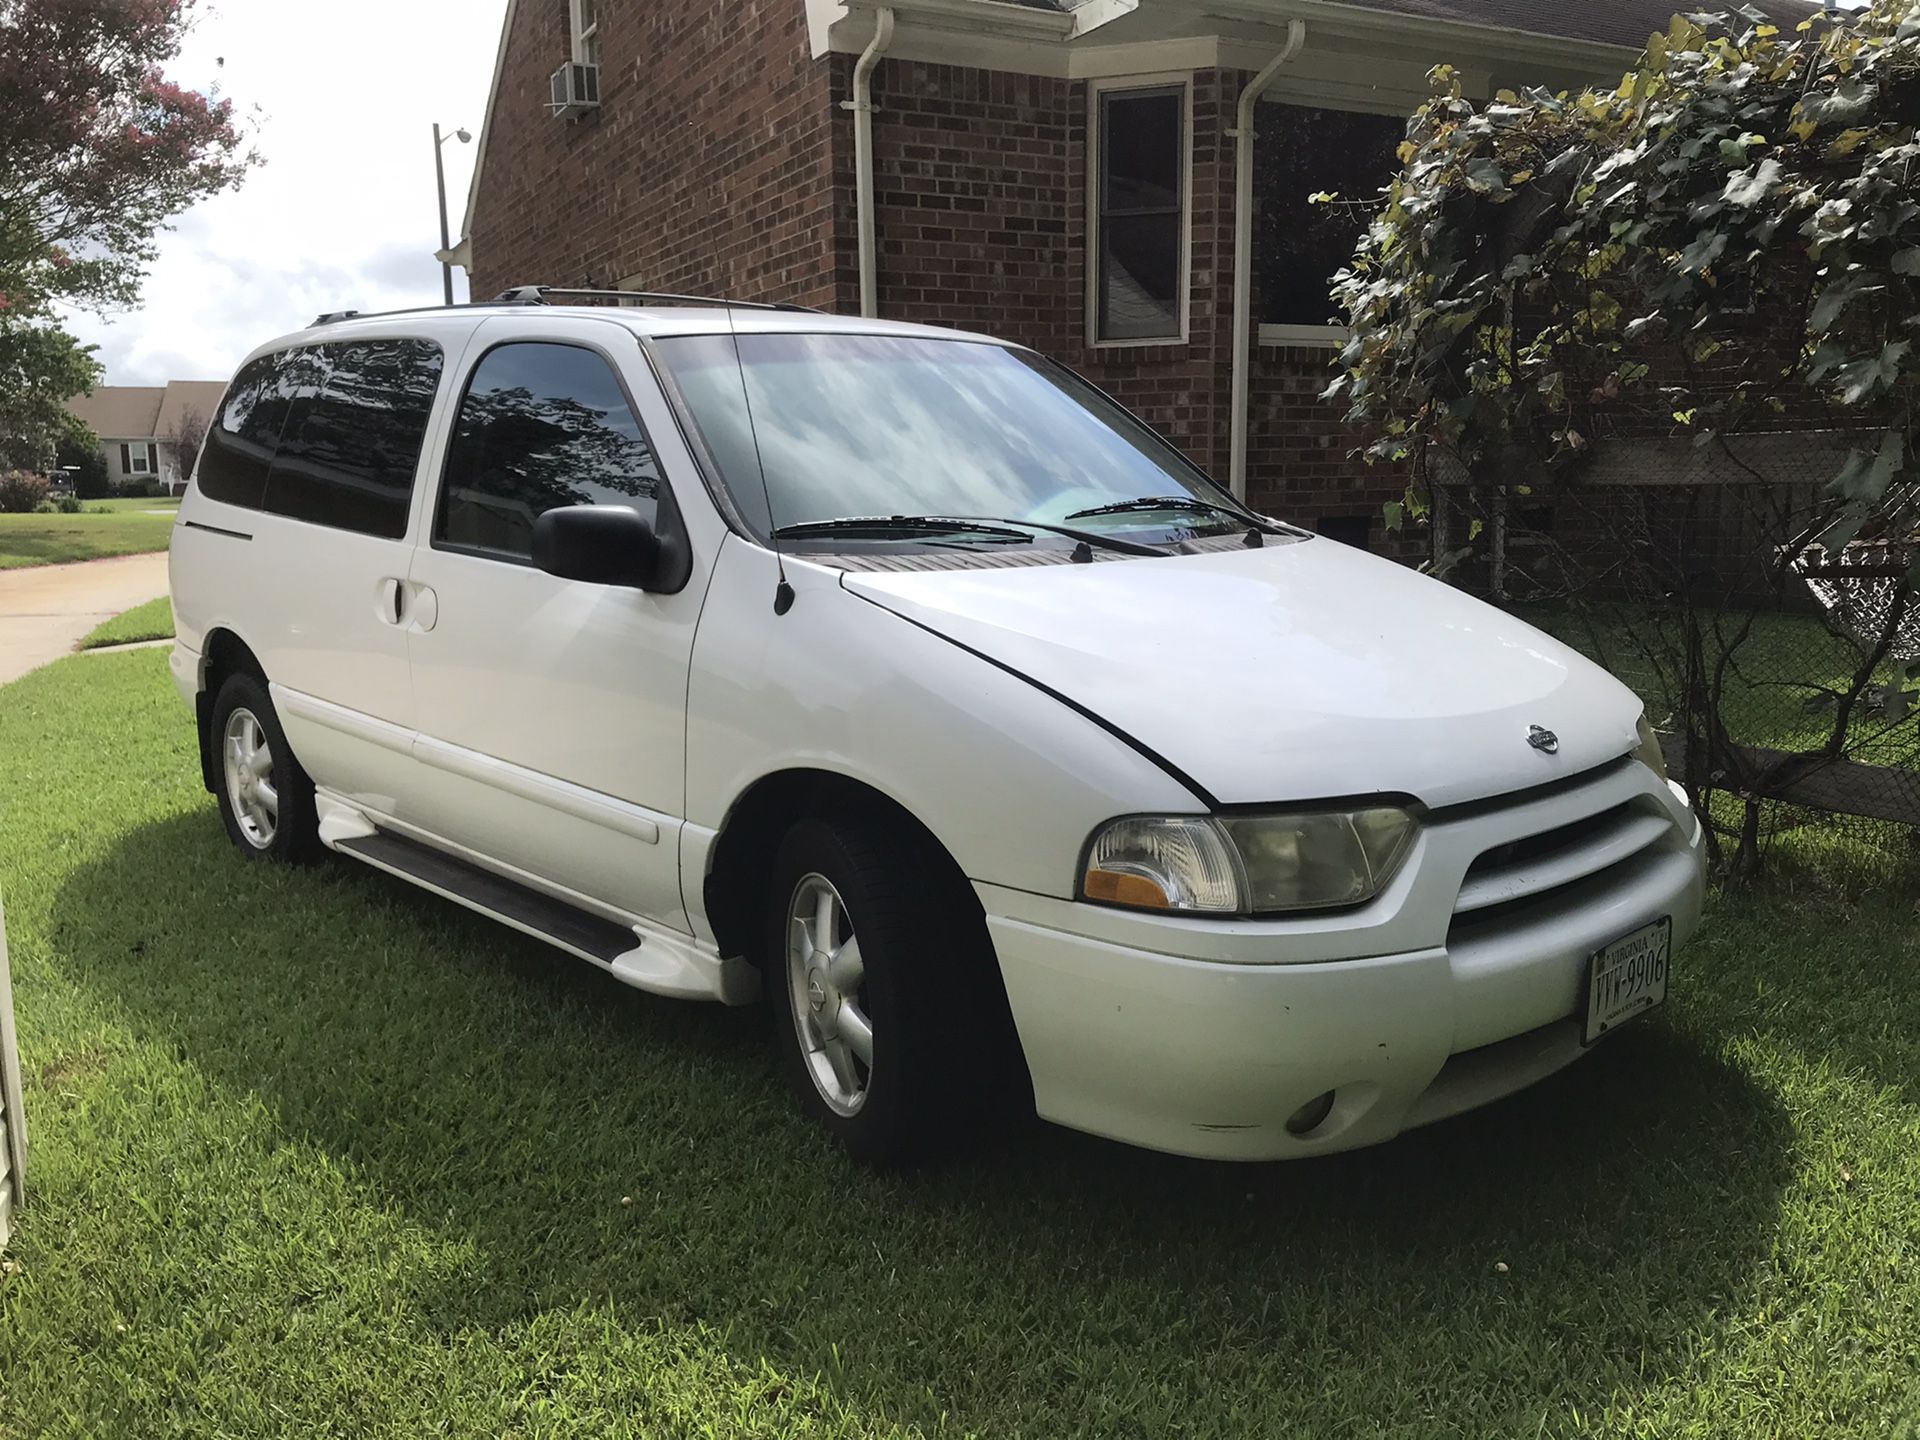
[(99, 149), (1728, 242)]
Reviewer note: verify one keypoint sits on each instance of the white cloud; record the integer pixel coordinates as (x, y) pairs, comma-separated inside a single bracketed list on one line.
[(342, 215)]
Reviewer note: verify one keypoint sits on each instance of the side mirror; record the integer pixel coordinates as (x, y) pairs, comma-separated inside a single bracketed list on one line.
[(601, 544)]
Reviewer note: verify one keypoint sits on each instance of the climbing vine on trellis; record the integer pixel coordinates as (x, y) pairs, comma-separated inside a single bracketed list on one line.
[(1543, 254), (1726, 243)]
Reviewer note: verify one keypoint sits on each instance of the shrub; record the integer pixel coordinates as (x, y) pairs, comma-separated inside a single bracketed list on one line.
[(21, 491), (1724, 247), (69, 505)]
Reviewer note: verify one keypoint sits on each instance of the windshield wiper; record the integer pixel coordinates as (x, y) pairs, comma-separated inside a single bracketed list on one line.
[(981, 527), (886, 526), (1173, 502), (1085, 537)]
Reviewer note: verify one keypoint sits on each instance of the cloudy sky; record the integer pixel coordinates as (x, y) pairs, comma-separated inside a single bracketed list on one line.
[(342, 215)]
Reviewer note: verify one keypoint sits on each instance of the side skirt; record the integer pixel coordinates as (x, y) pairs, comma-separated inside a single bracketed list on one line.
[(643, 956)]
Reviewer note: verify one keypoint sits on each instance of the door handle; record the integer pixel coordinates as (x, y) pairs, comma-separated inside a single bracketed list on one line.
[(392, 600), (426, 608)]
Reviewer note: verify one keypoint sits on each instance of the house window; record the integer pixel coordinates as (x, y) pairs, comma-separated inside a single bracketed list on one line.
[(139, 460), (1140, 204), (1301, 151), (586, 31)]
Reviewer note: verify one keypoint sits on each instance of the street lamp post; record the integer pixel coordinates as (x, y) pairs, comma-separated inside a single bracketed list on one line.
[(440, 183)]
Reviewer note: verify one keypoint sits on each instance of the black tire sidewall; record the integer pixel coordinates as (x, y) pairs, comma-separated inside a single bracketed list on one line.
[(885, 898), (296, 835)]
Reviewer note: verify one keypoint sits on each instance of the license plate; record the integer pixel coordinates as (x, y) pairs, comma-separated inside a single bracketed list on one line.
[(1628, 977)]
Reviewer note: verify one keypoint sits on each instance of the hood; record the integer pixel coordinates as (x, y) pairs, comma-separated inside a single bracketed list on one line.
[(1294, 672)]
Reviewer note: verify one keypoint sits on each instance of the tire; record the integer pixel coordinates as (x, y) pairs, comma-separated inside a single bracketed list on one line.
[(874, 1053), (269, 812)]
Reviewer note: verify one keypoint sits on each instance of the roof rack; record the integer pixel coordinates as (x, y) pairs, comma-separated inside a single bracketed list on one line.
[(333, 317), (540, 295)]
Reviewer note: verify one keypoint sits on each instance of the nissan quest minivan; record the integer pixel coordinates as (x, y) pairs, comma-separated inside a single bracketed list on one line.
[(901, 678)]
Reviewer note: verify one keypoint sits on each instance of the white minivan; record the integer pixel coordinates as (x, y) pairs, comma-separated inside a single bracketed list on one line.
[(903, 678)]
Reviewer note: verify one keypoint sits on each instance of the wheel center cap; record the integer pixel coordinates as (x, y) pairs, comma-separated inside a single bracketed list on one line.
[(816, 992)]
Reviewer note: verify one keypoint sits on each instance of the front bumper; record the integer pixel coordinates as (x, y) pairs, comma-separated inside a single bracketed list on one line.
[(1179, 1037)]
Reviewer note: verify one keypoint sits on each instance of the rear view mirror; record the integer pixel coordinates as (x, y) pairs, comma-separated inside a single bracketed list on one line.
[(601, 544)]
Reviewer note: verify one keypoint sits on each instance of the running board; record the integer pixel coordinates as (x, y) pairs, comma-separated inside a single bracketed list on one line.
[(657, 961)]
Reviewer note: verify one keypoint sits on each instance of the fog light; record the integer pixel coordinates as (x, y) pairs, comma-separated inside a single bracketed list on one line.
[(1308, 1117)]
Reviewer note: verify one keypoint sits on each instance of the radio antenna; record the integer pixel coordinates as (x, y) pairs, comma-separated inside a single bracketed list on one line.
[(782, 592)]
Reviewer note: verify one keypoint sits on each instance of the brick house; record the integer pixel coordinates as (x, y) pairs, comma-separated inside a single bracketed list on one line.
[(1062, 173)]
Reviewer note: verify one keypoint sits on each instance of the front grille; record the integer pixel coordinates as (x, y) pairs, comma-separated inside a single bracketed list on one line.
[(1524, 873)]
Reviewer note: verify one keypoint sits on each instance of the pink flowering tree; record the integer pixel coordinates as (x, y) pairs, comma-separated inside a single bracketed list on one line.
[(98, 151)]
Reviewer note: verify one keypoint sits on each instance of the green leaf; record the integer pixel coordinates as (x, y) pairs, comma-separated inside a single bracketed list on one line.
[(1907, 261), (1832, 301), (1707, 247), (1485, 176), (1748, 188), (1394, 513), (1865, 377)]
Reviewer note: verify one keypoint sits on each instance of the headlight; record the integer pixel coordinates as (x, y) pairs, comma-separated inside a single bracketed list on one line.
[(1649, 753), (1163, 863), (1247, 864)]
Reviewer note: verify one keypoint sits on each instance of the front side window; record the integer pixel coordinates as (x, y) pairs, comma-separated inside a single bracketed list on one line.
[(241, 441), (541, 426), (1140, 268), (352, 444), (877, 425), (1301, 152)]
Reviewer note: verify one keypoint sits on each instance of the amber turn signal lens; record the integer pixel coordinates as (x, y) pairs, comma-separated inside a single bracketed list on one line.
[(1118, 889)]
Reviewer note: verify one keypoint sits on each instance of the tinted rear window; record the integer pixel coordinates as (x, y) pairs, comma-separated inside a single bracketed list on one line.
[(241, 440), (352, 446)]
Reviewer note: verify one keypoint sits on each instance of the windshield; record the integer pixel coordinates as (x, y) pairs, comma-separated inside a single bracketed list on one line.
[(883, 425)]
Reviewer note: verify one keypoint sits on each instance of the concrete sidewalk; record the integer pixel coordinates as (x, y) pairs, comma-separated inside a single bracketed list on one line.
[(45, 609)]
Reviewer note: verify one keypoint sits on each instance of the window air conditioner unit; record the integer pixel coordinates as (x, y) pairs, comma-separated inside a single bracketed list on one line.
[(576, 90)]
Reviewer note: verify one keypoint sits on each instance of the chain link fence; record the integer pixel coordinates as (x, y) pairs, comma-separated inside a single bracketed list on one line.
[(1779, 658)]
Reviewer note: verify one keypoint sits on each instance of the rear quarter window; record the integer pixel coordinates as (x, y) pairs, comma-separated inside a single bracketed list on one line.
[(350, 450), (240, 443)]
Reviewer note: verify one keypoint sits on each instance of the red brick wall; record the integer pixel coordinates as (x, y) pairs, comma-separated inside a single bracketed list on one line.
[(981, 212), (721, 162), (709, 166), (980, 189)]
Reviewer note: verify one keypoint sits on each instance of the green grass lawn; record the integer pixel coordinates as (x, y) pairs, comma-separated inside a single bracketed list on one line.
[(151, 621), (124, 504), (1769, 689), (318, 1154), (61, 539)]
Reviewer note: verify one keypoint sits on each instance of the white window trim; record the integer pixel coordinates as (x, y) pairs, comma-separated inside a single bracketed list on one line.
[(582, 35), (1318, 337), (137, 457), (1095, 89)]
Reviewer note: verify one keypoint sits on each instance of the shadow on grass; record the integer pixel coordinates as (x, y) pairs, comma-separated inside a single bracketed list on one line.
[(509, 1095)]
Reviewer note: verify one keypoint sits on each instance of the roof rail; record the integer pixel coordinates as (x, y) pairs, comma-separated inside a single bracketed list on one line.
[(541, 295)]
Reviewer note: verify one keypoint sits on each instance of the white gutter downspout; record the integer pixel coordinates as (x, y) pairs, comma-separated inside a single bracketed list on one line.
[(862, 106), (1243, 256)]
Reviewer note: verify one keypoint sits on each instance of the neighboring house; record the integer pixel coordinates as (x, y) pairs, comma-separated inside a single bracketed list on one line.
[(1061, 174), (141, 426)]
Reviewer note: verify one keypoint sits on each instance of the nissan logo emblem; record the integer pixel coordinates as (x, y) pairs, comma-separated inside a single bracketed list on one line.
[(1543, 739)]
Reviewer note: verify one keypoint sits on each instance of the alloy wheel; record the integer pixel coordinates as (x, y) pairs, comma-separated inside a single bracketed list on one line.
[(825, 977), (248, 762)]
